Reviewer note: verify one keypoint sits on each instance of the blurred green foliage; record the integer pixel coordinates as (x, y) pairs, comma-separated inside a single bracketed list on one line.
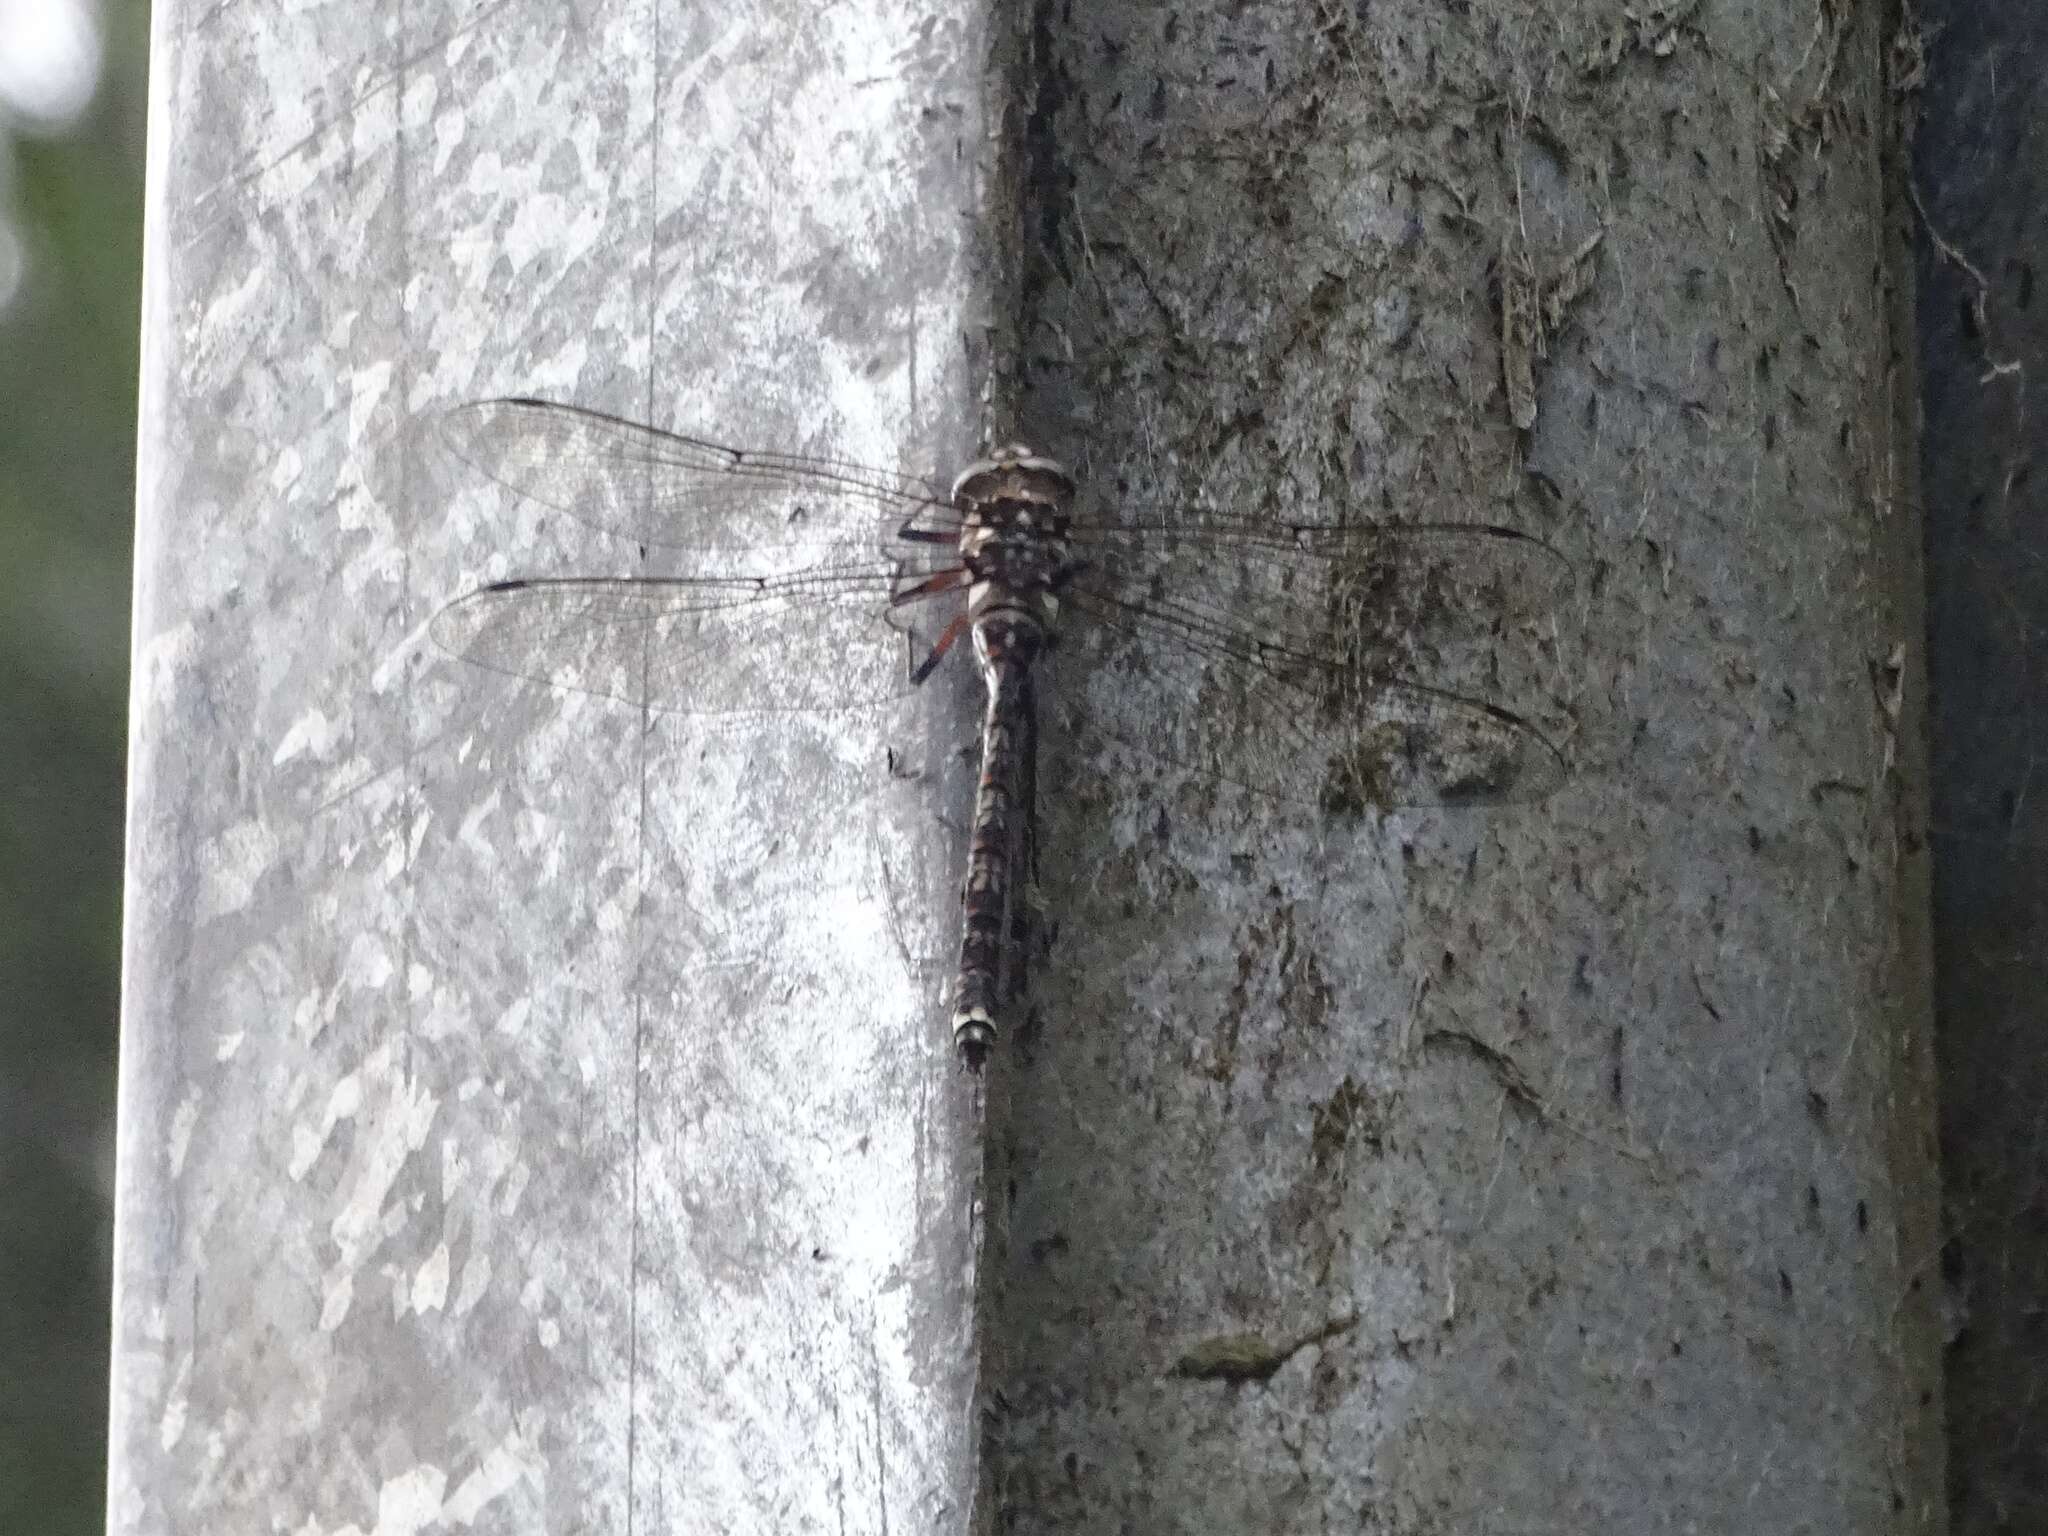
[(68, 371)]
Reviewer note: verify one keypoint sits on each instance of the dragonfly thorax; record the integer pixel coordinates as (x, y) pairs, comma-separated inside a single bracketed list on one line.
[(1013, 541), (1013, 472)]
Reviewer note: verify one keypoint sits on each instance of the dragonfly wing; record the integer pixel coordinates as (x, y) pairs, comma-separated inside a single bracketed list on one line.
[(668, 490), (1449, 578), (742, 646), (1307, 728)]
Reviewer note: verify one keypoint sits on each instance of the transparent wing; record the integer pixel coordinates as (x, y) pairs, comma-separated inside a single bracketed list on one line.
[(1285, 659), (752, 646), (667, 490), (1448, 577), (1306, 730)]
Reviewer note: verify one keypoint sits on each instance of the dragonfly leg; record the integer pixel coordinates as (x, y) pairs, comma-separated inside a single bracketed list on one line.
[(942, 581), (946, 641)]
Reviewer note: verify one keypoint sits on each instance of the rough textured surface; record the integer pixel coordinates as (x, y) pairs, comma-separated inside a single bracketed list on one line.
[(1561, 1169), (1982, 173), (537, 1116)]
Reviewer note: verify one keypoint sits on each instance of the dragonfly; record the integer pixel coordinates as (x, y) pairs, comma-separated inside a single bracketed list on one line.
[(1271, 654)]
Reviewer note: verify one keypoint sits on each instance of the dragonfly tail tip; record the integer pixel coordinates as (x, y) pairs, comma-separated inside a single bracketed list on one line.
[(974, 1035)]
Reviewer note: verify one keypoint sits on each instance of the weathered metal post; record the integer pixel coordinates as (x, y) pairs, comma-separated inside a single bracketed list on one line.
[(539, 1114), (1563, 1168)]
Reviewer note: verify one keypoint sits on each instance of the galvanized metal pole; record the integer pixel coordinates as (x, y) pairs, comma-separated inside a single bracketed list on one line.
[(1559, 1169), (538, 1114)]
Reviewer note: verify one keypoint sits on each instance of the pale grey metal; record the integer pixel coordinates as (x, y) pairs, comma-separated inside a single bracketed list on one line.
[(1559, 1170), (510, 1141)]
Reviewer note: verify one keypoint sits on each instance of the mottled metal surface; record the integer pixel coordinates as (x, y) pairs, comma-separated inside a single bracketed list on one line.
[(1560, 1169), (512, 1139), (1981, 167)]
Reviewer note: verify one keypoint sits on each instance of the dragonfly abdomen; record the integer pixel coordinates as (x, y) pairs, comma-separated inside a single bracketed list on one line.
[(991, 856)]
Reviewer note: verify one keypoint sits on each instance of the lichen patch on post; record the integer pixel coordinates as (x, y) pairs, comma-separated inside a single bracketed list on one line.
[(1652, 30), (1533, 311)]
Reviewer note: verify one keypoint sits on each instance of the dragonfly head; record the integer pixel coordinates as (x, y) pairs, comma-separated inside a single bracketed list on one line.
[(1013, 473)]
